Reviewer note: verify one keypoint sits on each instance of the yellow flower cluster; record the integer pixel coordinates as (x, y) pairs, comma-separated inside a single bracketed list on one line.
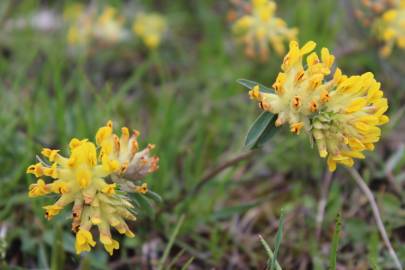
[(108, 27), (341, 114), (391, 28), (90, 178), (80, 25), (260, 28), (86, 26), (150, 28)]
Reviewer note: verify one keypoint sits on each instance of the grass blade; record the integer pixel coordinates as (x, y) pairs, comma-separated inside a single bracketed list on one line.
[(170, 244), (187, 264), (279, 238), (335, 243), (58, 253), (269, 253)]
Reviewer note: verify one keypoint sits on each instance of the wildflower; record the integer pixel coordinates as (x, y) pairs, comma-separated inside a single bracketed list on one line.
[(340, 114), (391, 29), (92, 179), (80, 25), (150, 28), (85, 25), (109, 26), (260, 26)]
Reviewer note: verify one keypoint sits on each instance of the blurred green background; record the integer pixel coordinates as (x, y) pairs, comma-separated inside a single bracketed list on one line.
[(184, 98)]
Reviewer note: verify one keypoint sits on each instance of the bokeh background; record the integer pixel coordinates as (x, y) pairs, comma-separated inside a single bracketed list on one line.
[(183, 97)]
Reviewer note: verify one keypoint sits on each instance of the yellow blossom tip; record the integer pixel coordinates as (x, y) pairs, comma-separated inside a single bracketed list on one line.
[(110, 245), (84, 241), (74, 143), (142, 189), (308, 47), (151, 146), (296, 127), (51, 211), (36, 169), (50, 154), (38, 189), (109, 189), (129, 234), (255, 93), (96, 220)]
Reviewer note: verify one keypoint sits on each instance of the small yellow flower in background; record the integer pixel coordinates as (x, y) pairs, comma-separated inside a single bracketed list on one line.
[(150, 28), (80, 24), (109, 27), (85, 25), (390, 28), (260, 28), (90, 178), (341, 114)]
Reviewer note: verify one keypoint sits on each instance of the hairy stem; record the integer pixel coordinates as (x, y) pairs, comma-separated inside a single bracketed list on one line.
[(370, 197)]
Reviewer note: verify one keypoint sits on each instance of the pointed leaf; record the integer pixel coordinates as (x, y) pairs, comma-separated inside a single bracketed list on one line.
[(154, 196), (270, 254), (144, 205), (279, 237), (250, 84), (262, 130)]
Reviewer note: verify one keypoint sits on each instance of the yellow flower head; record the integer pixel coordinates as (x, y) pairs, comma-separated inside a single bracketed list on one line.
[(109, 26), (150, 29), (89, 178), (341, 114), (85, 25), (80, 25), (390, 29), (260, 28)]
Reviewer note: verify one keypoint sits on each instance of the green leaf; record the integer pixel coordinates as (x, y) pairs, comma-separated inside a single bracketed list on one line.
[(262, 130), (42, 257), (335, 243), (154, 196), (279, 237), (144, 205), (170, 244), (58, 254), (250, 84), (373, 251), (269, 253), (187, 264)]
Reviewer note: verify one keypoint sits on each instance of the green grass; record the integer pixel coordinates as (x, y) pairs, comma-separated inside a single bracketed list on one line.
[(185, 99)]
